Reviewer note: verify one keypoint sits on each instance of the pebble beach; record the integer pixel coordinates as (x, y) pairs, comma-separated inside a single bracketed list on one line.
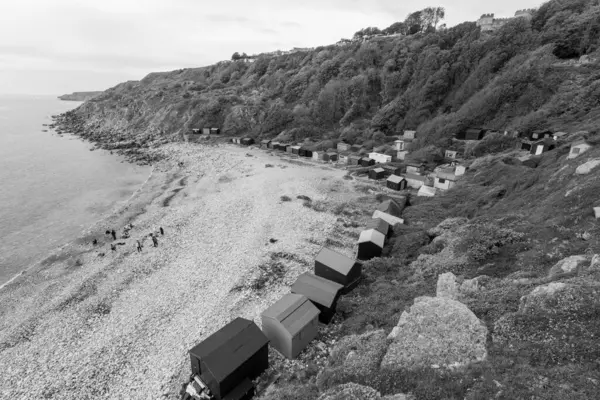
[(89, 323)]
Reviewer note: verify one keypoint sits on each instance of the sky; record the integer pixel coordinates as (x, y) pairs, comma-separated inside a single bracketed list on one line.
[(62, 46)]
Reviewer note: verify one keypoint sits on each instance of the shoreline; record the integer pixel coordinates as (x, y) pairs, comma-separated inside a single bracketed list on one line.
[(219, 210)]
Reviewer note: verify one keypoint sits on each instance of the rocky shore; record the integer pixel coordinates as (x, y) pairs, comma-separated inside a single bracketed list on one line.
[(134, 150)]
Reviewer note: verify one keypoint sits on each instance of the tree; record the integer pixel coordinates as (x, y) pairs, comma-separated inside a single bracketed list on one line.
[(396, 27), (236, 56), (370, 31)]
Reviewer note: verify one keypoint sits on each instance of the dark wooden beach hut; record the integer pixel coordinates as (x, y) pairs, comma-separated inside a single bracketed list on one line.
[(338, 268), (296, 150), (264, 144), (290, 324), (392, 169), (333, 156), (380, 226), (215, 131), (396, 182), (370, 244), (305, 152), (471, 134), (229, 359), (247, 141), (391, 207), (367, 162), (322, 292), (377, 173)]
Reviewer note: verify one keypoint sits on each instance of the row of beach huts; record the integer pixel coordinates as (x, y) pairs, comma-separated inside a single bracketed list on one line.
[(225, 364)]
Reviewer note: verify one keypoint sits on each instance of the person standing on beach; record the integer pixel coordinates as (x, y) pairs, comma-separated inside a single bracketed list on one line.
[(114, 234), (139, 247), (162, 232), (155, 241)]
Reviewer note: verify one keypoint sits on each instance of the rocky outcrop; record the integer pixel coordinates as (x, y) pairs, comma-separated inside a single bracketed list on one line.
[(569, 264), (436, 332), (79, 96), (587, 167)]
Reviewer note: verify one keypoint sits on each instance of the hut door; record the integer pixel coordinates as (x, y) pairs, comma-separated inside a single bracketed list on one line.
[(539, 150)]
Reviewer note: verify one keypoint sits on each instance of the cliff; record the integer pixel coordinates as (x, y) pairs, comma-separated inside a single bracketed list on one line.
[(79, 96), (437, 83)]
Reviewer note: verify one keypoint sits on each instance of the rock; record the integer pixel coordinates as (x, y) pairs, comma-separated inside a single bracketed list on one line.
[(474, 285), (351, 391), (539, 296), (447, 287), (569, 264), (436, 331), (587, 167), (595, 264)]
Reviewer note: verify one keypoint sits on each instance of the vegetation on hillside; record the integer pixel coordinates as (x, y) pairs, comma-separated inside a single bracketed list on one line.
[(436, 81)]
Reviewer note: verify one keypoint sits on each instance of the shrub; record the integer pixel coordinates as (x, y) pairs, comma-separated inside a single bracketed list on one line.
[(285, 198)]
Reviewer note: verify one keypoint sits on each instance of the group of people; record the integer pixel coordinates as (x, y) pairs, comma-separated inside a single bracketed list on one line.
[(113, 246)]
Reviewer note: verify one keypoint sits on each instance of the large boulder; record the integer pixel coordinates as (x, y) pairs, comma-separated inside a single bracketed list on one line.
[(569, 264), (351, 391), (587, 167), (451, 287), (436, 331), (542, 297)]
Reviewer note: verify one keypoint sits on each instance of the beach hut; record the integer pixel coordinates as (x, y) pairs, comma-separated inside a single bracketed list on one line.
[(396, 182), (274, 145), (206, 131), (390, 219), (343, 146), (305, 152), (391, 207), (288, 148), (445, 179), (196, 131), (370, 244), (409, 135), (367, 162), (380, 226), (415, 181), (338, 268), (354, 160), (392, 169), (577, 148), (377, 173), (264, 144), (343, 158), (380, 158), (450, 154), (333, 156), (471, 134), (322, 292), (247, 141), (290, 324), (426, 191), (229, 359), (542, 146), (215, 131)]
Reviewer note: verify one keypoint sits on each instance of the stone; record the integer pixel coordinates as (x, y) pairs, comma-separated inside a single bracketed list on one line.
[(587, 167), (438, 331), (351, 391), (447, 286), (537, 299), (474, 285), (569, 264), (595, 263)]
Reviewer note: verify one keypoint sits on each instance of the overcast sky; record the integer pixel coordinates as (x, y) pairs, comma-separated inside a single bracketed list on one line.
[(61, 46)]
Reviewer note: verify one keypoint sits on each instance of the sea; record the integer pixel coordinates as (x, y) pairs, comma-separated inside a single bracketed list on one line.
[(52, 187)]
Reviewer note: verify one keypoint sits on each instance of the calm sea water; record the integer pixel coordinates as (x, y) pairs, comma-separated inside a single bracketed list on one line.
[(51, 187)]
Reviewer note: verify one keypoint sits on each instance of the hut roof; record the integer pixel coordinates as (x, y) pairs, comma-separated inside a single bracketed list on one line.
[(379, 170), (373, 236), (415, 177), (317, 289), (293, 311), (395, 179), (379, 225), (335, 260), (228, 348)]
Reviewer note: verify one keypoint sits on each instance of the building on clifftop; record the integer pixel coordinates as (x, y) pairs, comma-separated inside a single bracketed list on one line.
[(488, 22)]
